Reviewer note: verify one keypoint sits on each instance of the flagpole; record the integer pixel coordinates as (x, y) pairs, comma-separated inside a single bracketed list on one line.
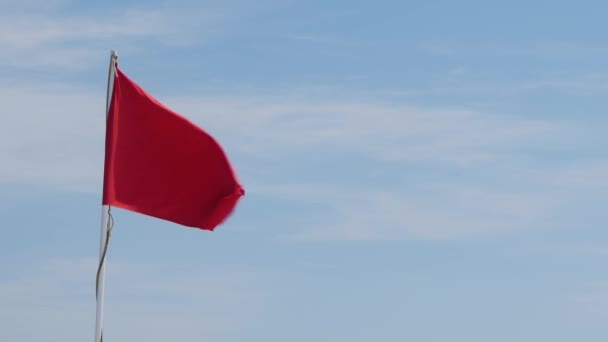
[(105, 221)]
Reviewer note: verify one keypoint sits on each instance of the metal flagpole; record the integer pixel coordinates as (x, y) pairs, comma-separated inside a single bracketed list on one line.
[(106, 221)]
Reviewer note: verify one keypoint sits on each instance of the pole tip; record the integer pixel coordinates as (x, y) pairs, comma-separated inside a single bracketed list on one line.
[(114, 54)]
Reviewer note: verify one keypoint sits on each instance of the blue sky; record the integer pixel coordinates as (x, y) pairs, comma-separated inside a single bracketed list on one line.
[(414, 171)]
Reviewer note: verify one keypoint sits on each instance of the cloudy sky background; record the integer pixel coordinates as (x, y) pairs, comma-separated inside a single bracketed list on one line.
[(423, 172)]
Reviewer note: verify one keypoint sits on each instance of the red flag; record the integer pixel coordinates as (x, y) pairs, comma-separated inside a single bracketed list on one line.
[(160, 164)]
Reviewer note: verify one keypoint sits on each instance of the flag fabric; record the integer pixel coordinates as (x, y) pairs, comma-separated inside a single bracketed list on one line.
[(160, 164)]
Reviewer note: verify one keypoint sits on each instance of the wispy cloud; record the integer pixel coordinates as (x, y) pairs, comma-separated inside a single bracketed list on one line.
[(54, 35), (65, 129), (57, 297), (585, 84), (588, 174), (390, 132), (576, 249), (590, 305), (315, 38), (51, 136), (63, 148), (431, 211), (480, 78), (544, 49)]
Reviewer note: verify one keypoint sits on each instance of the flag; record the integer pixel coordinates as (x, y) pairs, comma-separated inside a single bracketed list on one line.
[(160, 164)]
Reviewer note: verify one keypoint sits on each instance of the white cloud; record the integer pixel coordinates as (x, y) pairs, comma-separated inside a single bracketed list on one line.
[(575, 249), (590, 305), (142, 302), (32, 5), (52, 136), (539, 49), (383, 131), (46, 36), (316, 39), (429, 212), (57, 140)]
